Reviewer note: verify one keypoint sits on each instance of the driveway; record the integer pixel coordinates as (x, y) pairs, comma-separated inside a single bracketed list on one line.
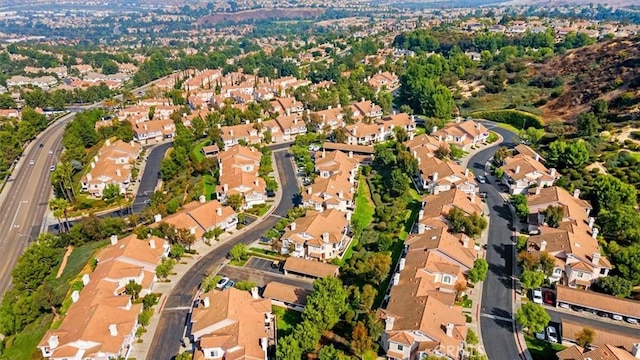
[(262, 278), (166, 341), (264, 265), (497, 296)]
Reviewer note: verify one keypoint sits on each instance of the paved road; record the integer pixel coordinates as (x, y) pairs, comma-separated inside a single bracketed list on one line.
[(262, 278), (166, 341), (497, 295), (25, 199), (150, 177)]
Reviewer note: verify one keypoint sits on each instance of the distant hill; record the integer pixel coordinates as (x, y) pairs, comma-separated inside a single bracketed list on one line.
[(261, 14), (614, 3), (607, 69)]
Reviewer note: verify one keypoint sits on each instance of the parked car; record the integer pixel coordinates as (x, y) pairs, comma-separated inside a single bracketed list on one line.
[(564, 306), (537, 296), (602, 314), (632, 321), (229, 284), (222, 282), (616, 317), (552, 335), (576, 308), (548, 297), (540, 335), (482, 179), (275, 264)]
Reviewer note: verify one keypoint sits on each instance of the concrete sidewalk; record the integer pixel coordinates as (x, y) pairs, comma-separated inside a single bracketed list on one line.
[(141, 347)]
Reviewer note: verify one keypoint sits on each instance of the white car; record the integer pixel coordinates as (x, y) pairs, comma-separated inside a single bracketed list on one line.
[(52, 168), (50, 152), (222, 282), (31, 162), (632, 321), (482, 179), (537, 296), (552, 335), (616, 317)]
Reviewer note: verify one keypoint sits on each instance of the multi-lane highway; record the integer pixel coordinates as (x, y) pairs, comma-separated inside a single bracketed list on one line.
[(24, 200)]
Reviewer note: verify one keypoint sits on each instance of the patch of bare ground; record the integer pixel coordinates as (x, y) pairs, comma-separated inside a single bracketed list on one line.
[(468, 88)]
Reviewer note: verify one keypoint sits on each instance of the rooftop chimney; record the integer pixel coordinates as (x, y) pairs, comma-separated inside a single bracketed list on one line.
[(517, 169), (75, 296), (538, 189), (465, 242), (85, 279), (450, 327), (388, 323), (293, 226), (537, 157), (635, 350), (595, 259), (152, 243), (434, 177), (113, 329), (325, 237), (205, 302), (592, 220), (576, 193), (254, 293), (203, 199), (93, 165), (401, 264), (396, 279), (225, 187), (552, 172), (350, 154), (434, 129), (594, 232), (264, 343), (114, 239), (543, 245), (107, 142), (420, 214), (53, 341), (421, 229), (219, 211)]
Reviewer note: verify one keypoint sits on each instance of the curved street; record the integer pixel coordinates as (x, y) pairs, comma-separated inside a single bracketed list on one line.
[(496, 315), (174, 316)]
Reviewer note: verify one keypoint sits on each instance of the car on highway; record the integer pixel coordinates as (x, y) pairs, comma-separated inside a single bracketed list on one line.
[(52, 168), (31, 162), (552, 335), (482, 179), (537, 296), (41, 146), (50, 152), (222, 283)]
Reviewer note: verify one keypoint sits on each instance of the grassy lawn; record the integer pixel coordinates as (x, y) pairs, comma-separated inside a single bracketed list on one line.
[(209, 186), (23, 345), (197, 154), (286, 320), (542, 350), (420, 130), (519, 96), (369, 355), (363, 215), (508, 127)]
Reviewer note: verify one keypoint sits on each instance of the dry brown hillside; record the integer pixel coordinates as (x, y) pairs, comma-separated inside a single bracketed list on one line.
[(608, 70)]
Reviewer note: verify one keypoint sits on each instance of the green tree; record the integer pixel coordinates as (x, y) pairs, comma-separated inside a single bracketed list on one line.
[(472, 337), (479, 271), (620, 223), (627, 260), (245, 285), (163, 270), (531, 280), (133, 289), (501, 154), (326, 304), (600, 108), (308, 335), (111, 193), (184, 356), (239, 252), (144, 318), (610, 192), (614, 285), (235, 201), (329, 352), (519, 202), (149, 301), (532, 135), (384, 100), (547, 263), (532, 316), (587, 124), (553, 215), (585, 337), (109, 67), (7, 102), (288, 348)]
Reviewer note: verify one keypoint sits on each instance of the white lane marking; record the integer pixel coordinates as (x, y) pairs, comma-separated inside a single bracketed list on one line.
[(13, 223)]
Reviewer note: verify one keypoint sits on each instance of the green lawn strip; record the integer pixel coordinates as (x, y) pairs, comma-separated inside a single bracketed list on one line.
[(209, 186), (363, 214), (197, 153), (508, 127), (542, 350), (23, 345), (286, 320)]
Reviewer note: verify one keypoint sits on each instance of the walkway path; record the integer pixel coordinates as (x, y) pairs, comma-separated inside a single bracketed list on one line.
[(63, 264)]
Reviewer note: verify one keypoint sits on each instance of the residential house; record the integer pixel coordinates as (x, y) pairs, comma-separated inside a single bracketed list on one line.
[(201, 216), (232, 324), (383, 80), (522, 172), (335, 186), (151, 130), (606, 352), (591, 300), (309, 268), (366, 109), (379, 130), (102, 320), (286, 296), (437, 207), (112, 165), (286, 106), (238, 168), (248, 133), (291, 126), (318, 235), (327, 120), (465, 134), (435, 176)]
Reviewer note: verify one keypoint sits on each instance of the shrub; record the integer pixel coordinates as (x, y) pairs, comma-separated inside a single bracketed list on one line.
[(516, 118)]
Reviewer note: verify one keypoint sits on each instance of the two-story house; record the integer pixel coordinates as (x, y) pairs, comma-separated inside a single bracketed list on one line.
[(436, 207), (112, 165), (318, 235), (232, 324), (249, 133), (379, 130), (366, 109), (153, 130), (435, 176), (522, 172), (201, 216), (465, 134), (291, 126), (286, 106), (335, 186), (238, 174), (327, 120)]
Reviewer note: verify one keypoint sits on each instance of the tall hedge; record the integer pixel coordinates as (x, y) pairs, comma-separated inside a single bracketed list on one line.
[(516, 118)]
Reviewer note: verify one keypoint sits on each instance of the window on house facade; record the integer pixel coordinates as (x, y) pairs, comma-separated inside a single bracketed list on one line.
[(557, 271), (580, 274), (446, 279), (399, 347), (603, 271)]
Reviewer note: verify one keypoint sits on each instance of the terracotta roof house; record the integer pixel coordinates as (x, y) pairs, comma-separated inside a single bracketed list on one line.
[(112, 165), (327, 120), (238, 168), (366, 108), (436, 176), (102, 320), (247, 132), (291, 126), (232, 324), (202, 216), (597, 301), (287, 296), (381, 129), (522, 172), (424, 145), (334, 188), (438, 206), (619, 338), (384, 79), (286, 106), (463, 134), (318, 235), (606, 352), (157, 130)]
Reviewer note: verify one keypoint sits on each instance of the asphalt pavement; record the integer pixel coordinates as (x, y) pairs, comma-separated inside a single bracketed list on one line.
[(497, 295), (174, 317), (150, 177), (593, 321), (262, 277)]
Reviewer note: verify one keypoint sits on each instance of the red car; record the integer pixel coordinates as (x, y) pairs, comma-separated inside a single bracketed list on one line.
[(548, 297)]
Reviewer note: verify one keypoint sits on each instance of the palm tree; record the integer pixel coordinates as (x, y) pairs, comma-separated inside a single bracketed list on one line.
[(59, 208)]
